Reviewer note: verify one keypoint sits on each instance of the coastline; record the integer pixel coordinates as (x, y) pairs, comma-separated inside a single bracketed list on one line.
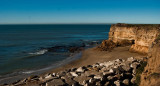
[(89, 56)]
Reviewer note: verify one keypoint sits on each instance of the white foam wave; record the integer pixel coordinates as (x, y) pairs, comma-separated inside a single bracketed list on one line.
[(39, 52)]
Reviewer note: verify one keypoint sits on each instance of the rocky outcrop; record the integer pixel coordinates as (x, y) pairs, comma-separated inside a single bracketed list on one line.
[(141, 36), (118, 72), (151, 75)]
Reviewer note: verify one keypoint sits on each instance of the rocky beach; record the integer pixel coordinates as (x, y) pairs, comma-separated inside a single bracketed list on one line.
[(129, 57)]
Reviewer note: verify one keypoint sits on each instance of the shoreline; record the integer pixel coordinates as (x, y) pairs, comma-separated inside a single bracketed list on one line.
[(89, 56), (9, 78)]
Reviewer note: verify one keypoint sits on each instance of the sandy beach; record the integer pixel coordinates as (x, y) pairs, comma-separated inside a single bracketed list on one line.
[(92, 55)]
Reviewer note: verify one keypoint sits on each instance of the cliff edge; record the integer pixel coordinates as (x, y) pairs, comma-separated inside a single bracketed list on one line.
[(141, 36)]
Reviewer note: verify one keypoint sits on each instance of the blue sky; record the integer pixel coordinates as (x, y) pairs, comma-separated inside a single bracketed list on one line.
[(79, 11)]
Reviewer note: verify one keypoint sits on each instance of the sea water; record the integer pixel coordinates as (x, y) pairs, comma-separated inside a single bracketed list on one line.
[(23, 47)]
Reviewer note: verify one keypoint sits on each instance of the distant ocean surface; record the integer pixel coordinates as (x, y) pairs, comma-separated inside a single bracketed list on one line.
[(23, 47)]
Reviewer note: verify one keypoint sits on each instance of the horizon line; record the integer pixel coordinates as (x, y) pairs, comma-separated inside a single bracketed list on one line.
[(67, 23)]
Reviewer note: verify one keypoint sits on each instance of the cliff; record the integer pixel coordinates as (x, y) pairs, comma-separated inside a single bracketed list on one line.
[(141, 36), (145, 39), (151, 74)]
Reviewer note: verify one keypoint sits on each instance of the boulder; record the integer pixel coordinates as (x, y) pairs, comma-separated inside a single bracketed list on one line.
[(133, 80), (98, 83), (131, 59), (107, 64), (117, 83), (107, 83), (55, 82), (126, 68), (68, 80), (91, 73), (80, 69), (110, 77), (134, 65), (82, 79), (100, 77), (74, 74), (126, 82)]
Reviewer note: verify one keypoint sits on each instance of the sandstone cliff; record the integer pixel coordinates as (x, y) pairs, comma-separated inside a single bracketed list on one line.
[(146, 40), (151, 75), (142, 36)]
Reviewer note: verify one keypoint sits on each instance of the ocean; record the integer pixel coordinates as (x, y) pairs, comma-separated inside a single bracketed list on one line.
[(23, 48)]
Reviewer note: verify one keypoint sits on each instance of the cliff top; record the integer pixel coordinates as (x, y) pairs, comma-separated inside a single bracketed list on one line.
[(138, 25)]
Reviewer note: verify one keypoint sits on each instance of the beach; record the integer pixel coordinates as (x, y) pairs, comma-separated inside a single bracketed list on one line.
[(92, 56)]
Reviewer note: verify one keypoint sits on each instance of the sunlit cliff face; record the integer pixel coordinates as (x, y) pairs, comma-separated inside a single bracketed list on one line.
[(143, 37)]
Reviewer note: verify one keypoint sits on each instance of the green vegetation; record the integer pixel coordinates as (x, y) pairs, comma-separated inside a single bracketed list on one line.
[(139, 72), (147, 26), (155, 75)]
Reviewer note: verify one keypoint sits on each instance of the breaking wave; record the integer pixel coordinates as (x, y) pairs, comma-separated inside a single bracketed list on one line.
[(39, 52)]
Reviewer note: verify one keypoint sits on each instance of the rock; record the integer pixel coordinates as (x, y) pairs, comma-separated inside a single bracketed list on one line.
[(134, 65), (98, 83), (133, 80), (92, 81), (82, 79), (118, 76), (107, 84), (107, 64), (111, 71), (73, 69), (74, 74), (80, 69), (33, 77), (131, 59), (61, 73), (100, 77), (126, 67), (48, 76), (117, 83), (110, 77), (107, 73), (54, 74), (91, 73), (55, 82), (126, 82), (68, 80)]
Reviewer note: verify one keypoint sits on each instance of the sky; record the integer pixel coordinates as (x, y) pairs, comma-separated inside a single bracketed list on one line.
[(79, 11)]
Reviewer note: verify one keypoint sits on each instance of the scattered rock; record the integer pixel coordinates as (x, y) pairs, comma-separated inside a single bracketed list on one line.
[(117, 83), (133, 80), (74, 74), (80, 69), (82, 79), (126, 81), (112, 73)]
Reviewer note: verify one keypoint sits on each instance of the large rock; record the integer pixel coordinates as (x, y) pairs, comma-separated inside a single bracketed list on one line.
[(82, 79), (74, 74), (126, 82), (68, 80), (80, 69), (55, 82), (117, 83)]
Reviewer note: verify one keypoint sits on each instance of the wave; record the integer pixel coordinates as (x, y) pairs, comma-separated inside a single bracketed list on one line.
[(39, 52)]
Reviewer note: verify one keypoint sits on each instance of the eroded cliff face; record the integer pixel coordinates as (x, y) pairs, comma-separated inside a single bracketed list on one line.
[(151, 75), (142, 36)]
